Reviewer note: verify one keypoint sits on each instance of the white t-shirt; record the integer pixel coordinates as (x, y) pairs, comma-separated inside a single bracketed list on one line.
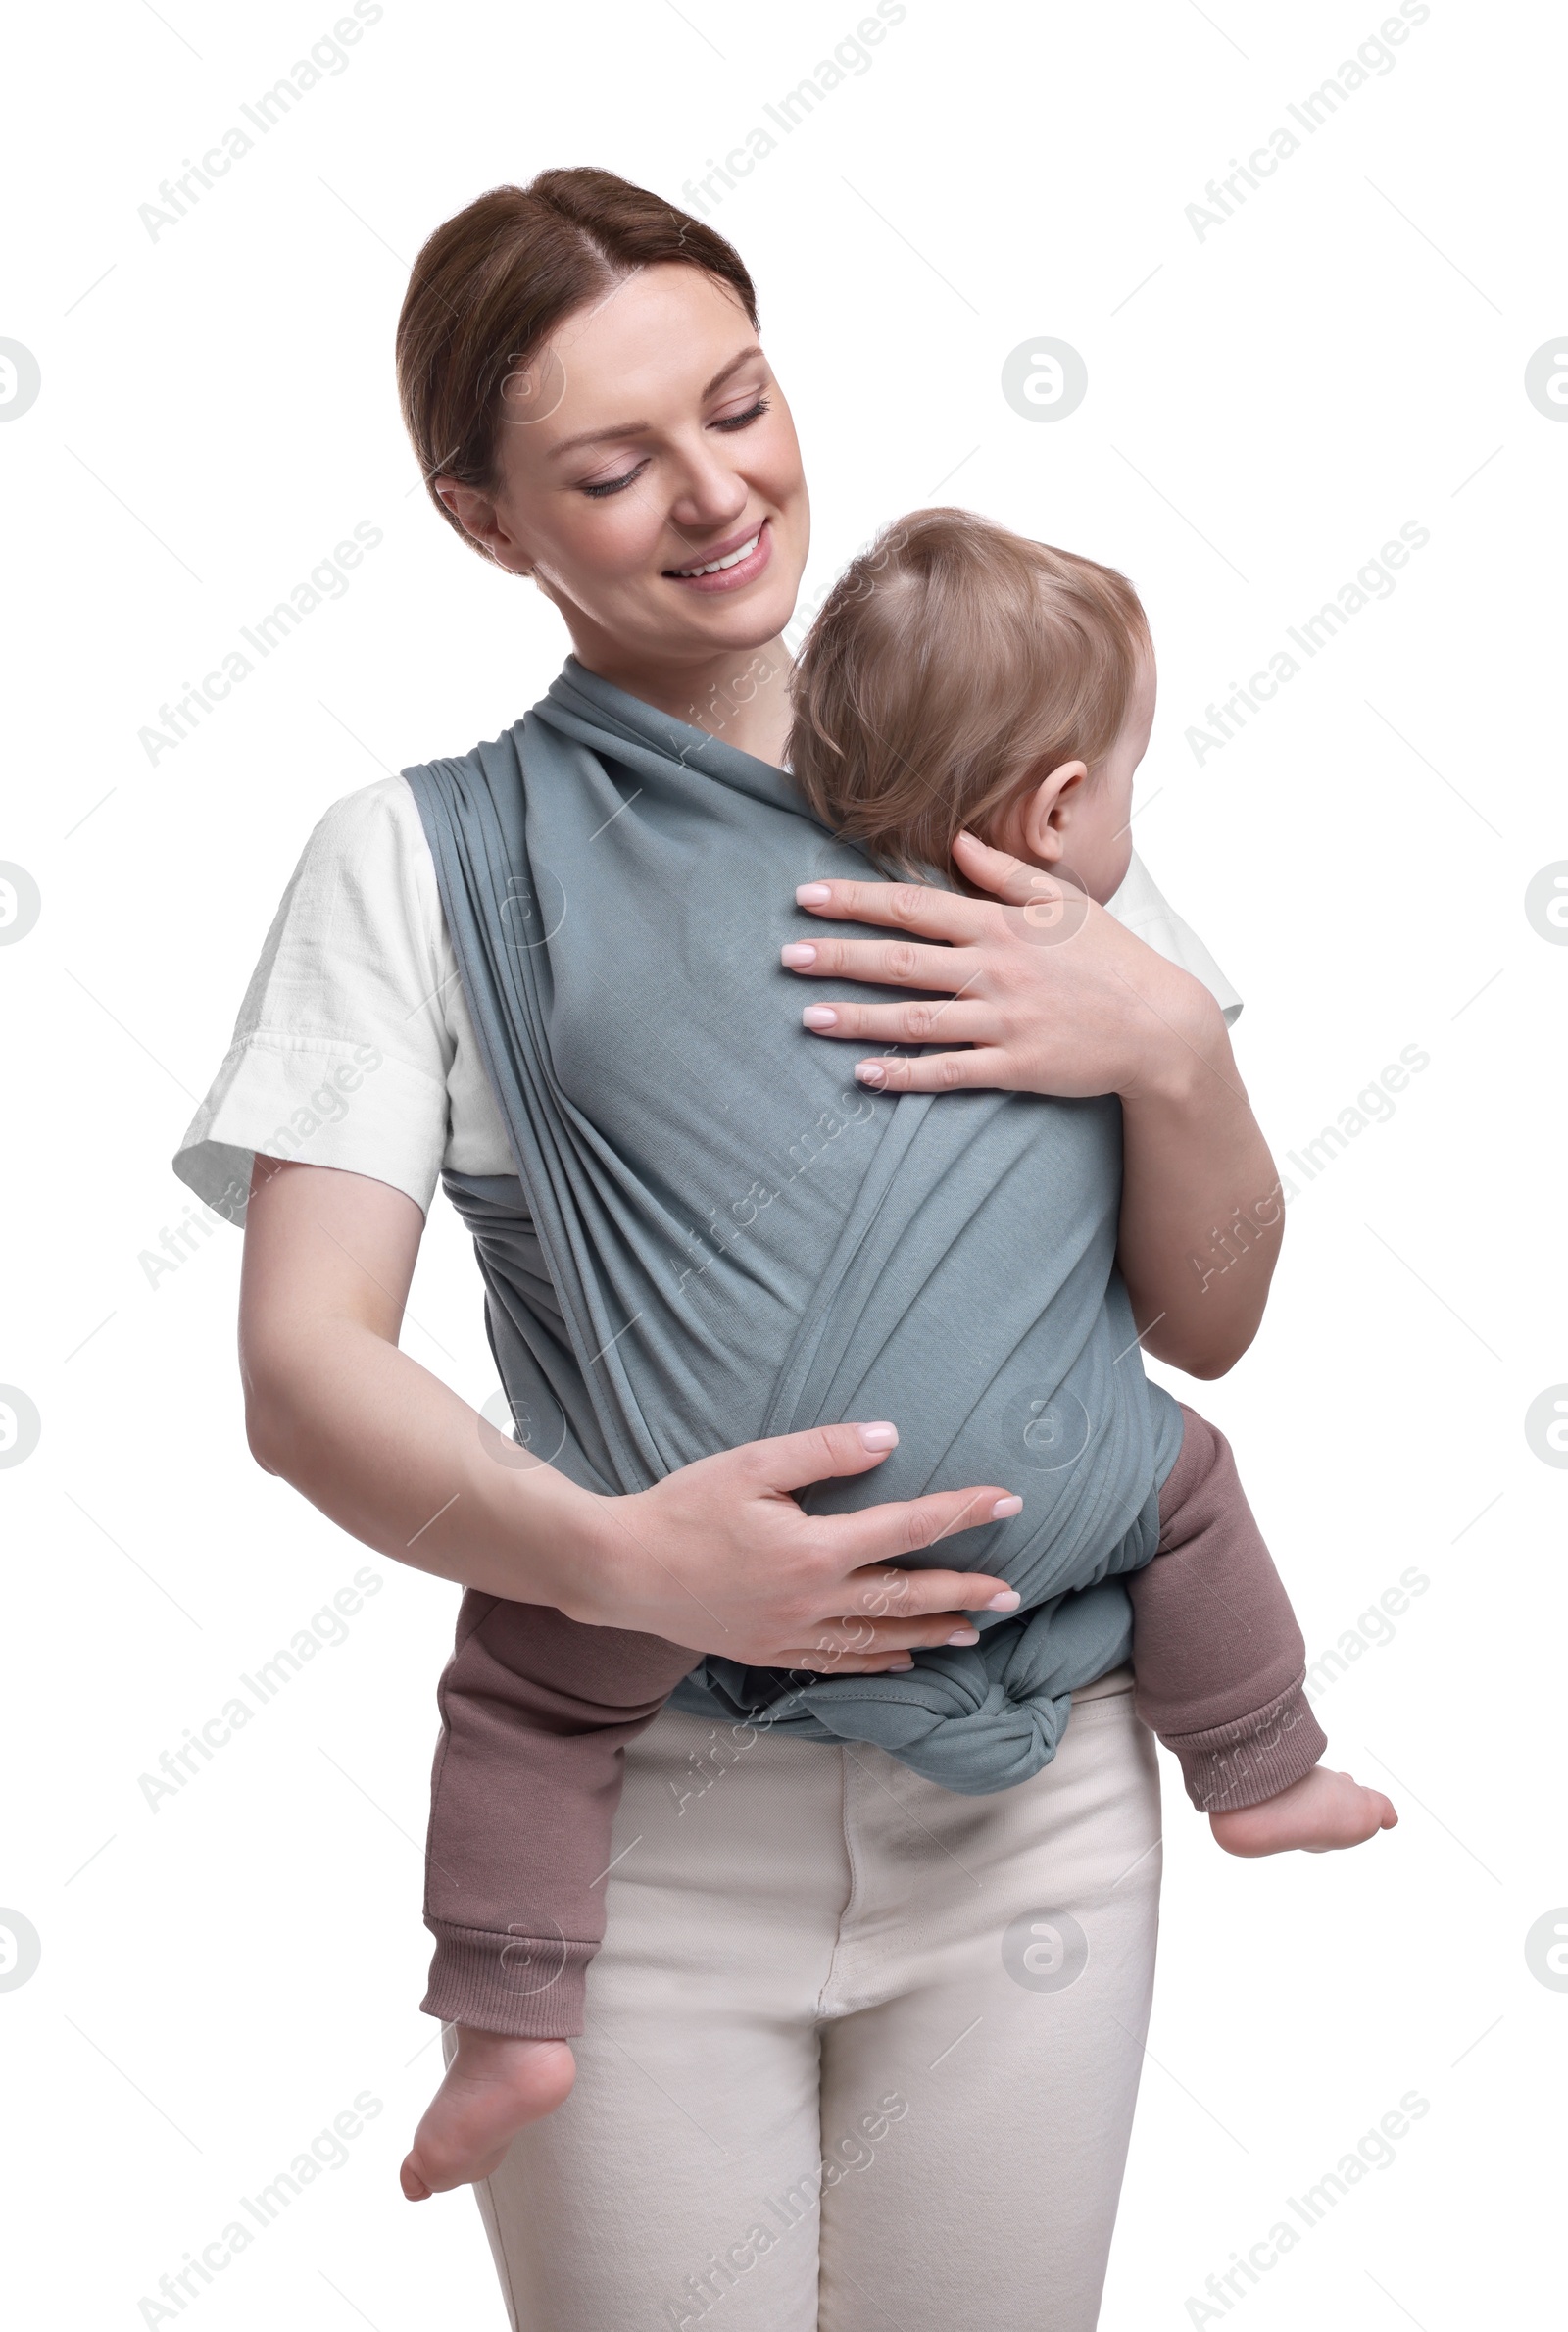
[(354, 1047)]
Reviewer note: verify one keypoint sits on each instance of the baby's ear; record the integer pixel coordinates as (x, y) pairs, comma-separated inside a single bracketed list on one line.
[(1046, 811)]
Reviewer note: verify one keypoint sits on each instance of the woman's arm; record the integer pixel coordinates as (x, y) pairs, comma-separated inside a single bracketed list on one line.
[(1201, 1215), (719, 1556), (1050, 994), (384, 1448)]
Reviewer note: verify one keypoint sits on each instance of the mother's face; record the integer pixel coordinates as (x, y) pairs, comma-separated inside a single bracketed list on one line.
[(647, 441)]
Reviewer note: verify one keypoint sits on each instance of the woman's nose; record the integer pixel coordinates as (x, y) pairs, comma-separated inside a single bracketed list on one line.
[(710, 494)]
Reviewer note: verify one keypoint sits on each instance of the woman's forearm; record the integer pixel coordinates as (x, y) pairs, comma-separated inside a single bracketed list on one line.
[(386, 1450), (1202, 1213), (393, 1456)]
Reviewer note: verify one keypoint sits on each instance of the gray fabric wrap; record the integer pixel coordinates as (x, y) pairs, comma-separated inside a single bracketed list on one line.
[(715, 1234)]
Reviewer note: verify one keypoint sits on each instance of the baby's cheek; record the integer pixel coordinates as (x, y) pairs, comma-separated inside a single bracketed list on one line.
[(1122, 860), (1103, 862)]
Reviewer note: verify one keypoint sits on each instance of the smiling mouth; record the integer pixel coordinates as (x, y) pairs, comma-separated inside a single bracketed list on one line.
[(738, 557)]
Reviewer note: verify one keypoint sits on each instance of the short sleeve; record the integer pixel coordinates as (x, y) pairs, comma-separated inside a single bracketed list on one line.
[(1141, 907), (346, 1038)]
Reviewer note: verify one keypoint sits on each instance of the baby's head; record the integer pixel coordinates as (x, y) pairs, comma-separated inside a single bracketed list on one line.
[(960, 676)]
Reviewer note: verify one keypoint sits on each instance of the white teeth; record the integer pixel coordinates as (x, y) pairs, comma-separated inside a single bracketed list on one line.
[(717, 565)]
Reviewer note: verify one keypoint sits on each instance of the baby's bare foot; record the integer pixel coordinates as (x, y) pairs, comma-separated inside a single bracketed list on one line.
[(495, 2086), (1322, 1811)]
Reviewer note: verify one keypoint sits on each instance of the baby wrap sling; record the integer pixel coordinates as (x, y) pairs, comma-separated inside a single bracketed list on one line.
[(715, 1234)]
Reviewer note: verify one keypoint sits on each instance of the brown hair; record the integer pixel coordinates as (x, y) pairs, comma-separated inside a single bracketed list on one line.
[(492, 284), (951, 663)]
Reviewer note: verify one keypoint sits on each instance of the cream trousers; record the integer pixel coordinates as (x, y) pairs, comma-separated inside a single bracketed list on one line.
[(860, 2053)]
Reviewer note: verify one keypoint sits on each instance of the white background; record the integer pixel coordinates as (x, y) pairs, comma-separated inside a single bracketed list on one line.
[(1266, 407)]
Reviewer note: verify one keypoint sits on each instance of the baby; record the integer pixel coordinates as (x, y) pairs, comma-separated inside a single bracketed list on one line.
[(959, 678)]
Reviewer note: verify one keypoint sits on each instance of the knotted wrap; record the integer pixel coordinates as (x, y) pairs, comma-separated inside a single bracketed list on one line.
[(715, 1234)]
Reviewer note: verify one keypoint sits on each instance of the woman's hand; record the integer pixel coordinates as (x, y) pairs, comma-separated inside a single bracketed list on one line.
[(1049, 992), (720, 1556)]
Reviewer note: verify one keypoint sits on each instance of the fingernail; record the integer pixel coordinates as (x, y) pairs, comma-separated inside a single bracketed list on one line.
[(819, 1015), (1005, 1506), (798, 955), (812, 894), (1007, 1600), (870, 1072), (962, 1635), (878, 1437), (900, 1667)]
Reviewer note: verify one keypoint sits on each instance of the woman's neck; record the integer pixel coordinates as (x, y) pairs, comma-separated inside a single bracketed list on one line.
[(741, 695)]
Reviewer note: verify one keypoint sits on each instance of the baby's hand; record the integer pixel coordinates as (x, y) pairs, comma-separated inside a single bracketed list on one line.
[(1321, 1811), (495, 2086)]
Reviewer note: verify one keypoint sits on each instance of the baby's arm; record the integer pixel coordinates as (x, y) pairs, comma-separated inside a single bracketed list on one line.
[(1221, 1668), (536, 1713)]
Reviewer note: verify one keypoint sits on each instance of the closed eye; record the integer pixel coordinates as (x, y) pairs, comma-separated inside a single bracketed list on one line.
[(743, 420), (616, 485), (731, 421)]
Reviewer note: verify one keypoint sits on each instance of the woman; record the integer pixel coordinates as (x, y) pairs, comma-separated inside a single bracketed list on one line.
[(840, 2008)]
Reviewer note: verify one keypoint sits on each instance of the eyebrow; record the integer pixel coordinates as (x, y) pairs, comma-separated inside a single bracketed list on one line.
[(570, 445)]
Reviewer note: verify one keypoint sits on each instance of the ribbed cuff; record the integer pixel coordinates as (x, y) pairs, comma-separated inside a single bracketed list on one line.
[(1252, 1758), (508, 1983)]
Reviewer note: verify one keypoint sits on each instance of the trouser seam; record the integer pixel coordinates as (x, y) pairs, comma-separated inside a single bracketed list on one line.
[(852, 1898), (508, 2288)]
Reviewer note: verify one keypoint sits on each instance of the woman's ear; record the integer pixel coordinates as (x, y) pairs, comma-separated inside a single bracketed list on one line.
[(477, 516), (1046, 814)]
